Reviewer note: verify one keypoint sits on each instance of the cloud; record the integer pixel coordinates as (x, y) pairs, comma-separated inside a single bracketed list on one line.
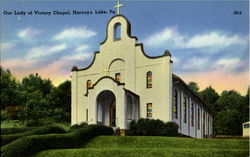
[(71, 33), (159, 38), (28, 33), (230, 65), (41, 51), (81, 48), (17, 63), (173, 38), (212, 39), (59, 70), (7, 46), (220, 80), (195, 63)]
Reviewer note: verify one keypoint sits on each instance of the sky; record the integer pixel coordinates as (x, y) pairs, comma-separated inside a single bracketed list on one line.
[(208, 40)]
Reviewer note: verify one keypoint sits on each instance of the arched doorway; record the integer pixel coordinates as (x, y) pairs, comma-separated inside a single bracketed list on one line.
[(106, 108)]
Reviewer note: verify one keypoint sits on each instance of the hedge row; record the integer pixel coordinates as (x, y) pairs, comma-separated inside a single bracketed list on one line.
[(152, 127), (78, 126), (32, 144), (5, 139), (7, 131)]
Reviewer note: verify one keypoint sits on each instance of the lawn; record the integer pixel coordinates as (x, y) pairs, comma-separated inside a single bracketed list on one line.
[(149, 146)]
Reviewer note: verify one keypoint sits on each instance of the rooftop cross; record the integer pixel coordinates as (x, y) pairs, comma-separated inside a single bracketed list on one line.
[(118, 7)]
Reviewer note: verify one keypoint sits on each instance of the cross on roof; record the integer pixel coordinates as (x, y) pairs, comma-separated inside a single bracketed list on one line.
[(118, 7)]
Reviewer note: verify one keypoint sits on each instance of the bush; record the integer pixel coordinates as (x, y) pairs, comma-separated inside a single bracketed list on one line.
[(5, 139), (5, 115), (39, 122), (78, 126), (7, 131), (152, 127), (32, 144), (171, 129)]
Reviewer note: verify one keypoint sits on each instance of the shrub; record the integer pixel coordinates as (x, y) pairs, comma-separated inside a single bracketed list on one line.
[(78, 126), (5, 139), (32, 144), (39, 122), (7, 131), (152, 127), (5, 115), (171, 129)]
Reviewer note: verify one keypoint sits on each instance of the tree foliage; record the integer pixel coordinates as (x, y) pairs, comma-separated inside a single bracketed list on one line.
[(210, 96), (194, 87), (38, 97), (8, 86), (232, 111)]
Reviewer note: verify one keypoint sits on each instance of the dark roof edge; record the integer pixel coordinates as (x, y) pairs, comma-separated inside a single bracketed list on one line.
[(76, 69), (131, 92), (177, 77), (166, 52)]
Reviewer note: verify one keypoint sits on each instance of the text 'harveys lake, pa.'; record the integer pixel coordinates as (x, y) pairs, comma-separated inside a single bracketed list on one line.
[(58, 12)]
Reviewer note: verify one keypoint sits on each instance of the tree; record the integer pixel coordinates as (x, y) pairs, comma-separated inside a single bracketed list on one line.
[(210, 96), (8, 87), (194, 87), (35, 97), (35, 82), (227, 122), (232, 111), (61, 98), (230, 100)]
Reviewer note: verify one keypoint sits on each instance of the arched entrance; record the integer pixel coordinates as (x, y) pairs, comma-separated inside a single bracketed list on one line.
[(106, 108)]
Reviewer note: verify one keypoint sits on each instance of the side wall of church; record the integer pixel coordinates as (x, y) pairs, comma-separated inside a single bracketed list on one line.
[(198, 127), (159, 94)]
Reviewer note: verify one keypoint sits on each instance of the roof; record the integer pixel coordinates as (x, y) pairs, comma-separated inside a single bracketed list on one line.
[(179, 80)]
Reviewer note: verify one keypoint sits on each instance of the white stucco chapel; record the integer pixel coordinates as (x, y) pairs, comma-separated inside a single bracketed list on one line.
[(123, 83)]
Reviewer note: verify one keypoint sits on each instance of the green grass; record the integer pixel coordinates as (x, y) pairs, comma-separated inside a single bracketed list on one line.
[(11, 124), (149, 146)]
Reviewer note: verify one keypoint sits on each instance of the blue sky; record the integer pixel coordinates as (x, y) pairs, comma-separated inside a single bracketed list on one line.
[(208, 42)]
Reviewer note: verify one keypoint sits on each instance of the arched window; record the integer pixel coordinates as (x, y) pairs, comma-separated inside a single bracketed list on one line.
[(199, 118), (175, 101), (117, 31), (185, 110), (88, 84), (149, 79), (192, 114)]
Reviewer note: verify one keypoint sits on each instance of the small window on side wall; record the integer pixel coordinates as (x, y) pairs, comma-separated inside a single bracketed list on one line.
[(149, 79), (175, 100), (118, 77), (88, 84), (149, 110), (117, 31)]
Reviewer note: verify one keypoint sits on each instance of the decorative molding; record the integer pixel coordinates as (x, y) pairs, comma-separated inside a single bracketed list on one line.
[(166, 52), (104, 77), (90, 63)]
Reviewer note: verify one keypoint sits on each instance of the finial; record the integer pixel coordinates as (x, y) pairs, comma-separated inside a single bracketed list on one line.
[(118, 7)]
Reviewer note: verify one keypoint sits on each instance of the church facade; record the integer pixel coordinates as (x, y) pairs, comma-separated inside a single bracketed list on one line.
[(123, 83)]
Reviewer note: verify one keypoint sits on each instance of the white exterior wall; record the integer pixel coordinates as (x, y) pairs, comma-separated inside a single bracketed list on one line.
[(160, 82), (186, 128)]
